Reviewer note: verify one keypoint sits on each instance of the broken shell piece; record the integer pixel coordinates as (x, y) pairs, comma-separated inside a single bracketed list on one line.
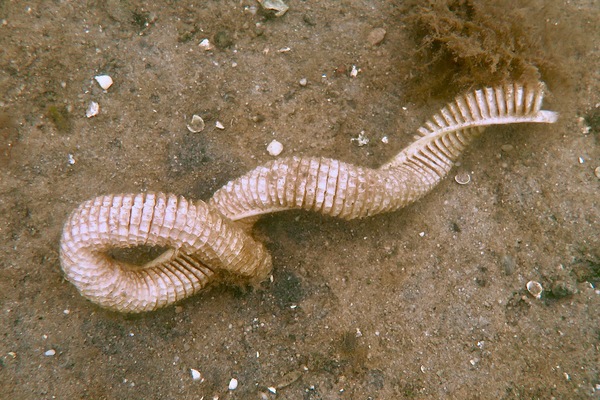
[(278, 6), (361, 140), (462, 178), (597, 172), (197, 124), (219, 125), (104, 81), (205, 45), (275, 148), (92, 110), (535, 289), (195, 374)]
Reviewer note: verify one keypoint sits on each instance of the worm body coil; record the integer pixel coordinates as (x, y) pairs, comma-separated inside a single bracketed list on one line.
[(207, 244)]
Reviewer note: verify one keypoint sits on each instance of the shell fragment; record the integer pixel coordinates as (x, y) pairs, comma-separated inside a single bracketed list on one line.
[(196, 125), (275, 148), (104, 81), (535, 289), (92, 110)]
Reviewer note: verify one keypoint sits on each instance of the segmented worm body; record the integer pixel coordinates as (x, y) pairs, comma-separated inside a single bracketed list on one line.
[(207, 244)]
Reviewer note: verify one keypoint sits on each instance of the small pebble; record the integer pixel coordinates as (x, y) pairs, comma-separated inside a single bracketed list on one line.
[(104, 81), (385, 140), (274, 148), (535, 289), (92, 110), (50, 353), (507, 147), (197, 124), (303, 82), (581, 160), (219, 125), (354, 72), (233, 384), (70, 159), (376, 36), (195, 374)]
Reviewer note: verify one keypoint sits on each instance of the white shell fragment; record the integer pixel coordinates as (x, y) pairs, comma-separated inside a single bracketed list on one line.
[(92, 110), (197, 124), (274, 148), (233, 384), (50, 353), (196, 374), (219, 125), (104, 81), (361, 140), (535, 289), (462, 178), (278, 6), (205, 45)]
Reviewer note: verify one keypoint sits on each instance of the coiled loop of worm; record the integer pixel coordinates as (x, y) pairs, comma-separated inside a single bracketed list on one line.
[(204, 244), (205, 241)]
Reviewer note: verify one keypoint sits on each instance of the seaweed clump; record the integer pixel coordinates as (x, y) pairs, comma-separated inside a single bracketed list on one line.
[(467, 43)]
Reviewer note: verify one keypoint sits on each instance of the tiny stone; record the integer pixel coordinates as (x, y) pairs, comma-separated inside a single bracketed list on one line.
[(581, 160), (104, 81), (354, 71), (233, 384), (274, 148), (508, 264), (507, 147), (50, 353), (219, 125), (197, 124), (303, 82), (376, 36), (385, 140), (178, 309)]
